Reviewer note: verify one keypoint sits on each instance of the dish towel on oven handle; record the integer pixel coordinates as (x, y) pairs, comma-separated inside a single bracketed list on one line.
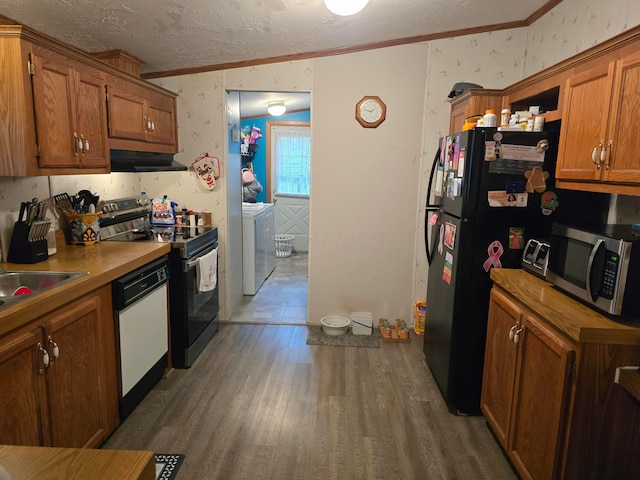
[(206, 271)]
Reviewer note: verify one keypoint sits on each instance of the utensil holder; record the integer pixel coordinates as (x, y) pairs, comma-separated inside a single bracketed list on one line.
[(21, 250), (84, 228)]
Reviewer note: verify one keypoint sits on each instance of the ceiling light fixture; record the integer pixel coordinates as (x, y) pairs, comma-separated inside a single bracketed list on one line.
[(276, 108), (345, 7)]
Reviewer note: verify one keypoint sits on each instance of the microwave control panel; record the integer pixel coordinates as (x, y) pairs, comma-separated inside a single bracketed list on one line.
[(610, 274)]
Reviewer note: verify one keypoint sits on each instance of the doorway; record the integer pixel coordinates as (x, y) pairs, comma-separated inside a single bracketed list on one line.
[(282, 298)]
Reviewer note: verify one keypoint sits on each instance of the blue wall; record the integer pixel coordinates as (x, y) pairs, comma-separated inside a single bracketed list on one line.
[(260, 157)]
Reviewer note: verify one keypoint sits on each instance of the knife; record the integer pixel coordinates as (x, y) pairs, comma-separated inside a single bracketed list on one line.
[(32, 211), (23, 210)]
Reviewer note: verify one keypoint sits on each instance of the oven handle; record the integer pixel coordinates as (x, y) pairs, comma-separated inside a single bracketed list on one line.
[(594, 252), (188, 265)]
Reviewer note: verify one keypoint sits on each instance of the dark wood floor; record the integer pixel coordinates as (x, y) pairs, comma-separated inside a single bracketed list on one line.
[(261, 404)]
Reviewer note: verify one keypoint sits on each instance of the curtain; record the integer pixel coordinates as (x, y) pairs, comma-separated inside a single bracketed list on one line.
[(292, 154)]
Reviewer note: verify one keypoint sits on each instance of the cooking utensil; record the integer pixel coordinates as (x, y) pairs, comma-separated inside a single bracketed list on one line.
[(65, 206), (62, 196), (63, 202)]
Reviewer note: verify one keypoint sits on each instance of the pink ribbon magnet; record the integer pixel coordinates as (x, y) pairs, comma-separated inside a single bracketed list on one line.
[(495, 251)]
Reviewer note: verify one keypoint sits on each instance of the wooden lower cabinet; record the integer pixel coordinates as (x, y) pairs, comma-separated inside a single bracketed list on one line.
[(24, 416), (550, 398), (73, 400), (526, 387)]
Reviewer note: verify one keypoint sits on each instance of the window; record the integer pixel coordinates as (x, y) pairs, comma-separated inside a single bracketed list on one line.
[(291, 149)]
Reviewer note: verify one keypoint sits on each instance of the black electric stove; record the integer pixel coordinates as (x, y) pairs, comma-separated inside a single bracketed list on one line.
[(128, 220), (193, 311)]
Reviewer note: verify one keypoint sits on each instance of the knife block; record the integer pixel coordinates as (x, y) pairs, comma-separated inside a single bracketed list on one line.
[(21, 250)]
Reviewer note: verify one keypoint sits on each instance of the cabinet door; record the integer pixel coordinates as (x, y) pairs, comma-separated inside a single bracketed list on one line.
[(54, 104), (77, 381), (499, 365), (623, 141), (92, 119), (127, 114), (162, 116), (458, 116), (584, 123), (541, 401), (24, 419)]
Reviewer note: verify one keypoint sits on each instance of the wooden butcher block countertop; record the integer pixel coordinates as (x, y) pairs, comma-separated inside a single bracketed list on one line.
[(577, 321), (105, 261), (37, 463)]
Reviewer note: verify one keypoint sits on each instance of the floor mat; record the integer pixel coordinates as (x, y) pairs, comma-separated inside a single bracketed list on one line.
[(167, 465), (315, 336)]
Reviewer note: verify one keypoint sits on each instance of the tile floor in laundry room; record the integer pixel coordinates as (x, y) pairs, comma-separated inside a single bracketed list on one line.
[(282, 298)]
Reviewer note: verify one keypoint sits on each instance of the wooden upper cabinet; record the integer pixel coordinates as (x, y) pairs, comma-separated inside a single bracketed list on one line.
[(127, 114), (598, 138), (140, 118), (472, 102), (162, 114), (622, 140), (54, 110), (70, 112), (584, 124)]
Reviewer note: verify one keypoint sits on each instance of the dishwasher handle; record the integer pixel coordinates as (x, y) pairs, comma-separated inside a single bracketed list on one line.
[(188, 265)]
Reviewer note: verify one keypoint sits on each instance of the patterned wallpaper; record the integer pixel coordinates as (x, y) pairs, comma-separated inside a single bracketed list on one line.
[(493, 60), (574, 26)]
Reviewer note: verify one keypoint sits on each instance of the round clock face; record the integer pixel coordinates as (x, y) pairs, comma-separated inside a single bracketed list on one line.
[(370, 111)]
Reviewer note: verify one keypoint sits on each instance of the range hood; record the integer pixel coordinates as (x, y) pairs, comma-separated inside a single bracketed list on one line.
[(132, 161)]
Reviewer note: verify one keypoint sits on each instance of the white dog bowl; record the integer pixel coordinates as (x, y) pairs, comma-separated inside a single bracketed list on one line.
[(335, 325)]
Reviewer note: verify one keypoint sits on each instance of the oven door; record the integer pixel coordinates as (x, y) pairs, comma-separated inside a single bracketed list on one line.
[(194, 314), (201, 307)]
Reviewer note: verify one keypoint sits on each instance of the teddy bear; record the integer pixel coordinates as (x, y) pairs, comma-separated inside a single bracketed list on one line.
[(536, 180)]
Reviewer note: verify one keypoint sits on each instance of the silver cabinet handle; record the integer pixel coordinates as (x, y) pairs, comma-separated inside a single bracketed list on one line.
[(516, 337), (45, 359), (606, 158), (55, 350), (512, 332)]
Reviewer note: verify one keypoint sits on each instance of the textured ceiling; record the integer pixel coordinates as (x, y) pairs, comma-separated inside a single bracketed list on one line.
[(181, 34)]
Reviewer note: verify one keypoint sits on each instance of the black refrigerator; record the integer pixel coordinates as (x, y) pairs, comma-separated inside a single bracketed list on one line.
[(489, 192)]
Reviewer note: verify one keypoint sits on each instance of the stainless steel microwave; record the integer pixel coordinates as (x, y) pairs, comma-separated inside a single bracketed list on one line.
[(599, 265)]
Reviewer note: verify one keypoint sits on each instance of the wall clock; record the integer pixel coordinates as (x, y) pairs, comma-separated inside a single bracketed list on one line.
[(371, 111)]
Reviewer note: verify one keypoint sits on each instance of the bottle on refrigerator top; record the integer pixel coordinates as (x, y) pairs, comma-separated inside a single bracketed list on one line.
[(490, 118), (505, 115), (538, 123)]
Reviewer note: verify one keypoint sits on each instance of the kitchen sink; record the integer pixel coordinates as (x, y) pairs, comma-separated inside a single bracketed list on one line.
[(18, 286)]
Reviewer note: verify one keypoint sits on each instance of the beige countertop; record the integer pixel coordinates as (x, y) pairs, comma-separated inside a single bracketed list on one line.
[(36, 463), (574, 319), (105, 261)]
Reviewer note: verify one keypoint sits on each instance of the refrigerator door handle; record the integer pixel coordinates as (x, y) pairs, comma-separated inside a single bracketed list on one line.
[(430, 208), (436, 160)]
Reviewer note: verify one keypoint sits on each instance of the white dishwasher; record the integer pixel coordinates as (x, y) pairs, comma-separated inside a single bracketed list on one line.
[(142, 331)]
